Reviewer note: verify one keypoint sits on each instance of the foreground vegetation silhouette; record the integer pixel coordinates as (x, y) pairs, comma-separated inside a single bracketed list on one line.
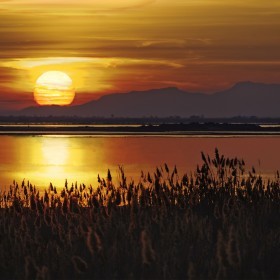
[(222, 222)]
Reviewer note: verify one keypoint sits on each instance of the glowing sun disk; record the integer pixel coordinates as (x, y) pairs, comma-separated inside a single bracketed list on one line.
[(54, 88)]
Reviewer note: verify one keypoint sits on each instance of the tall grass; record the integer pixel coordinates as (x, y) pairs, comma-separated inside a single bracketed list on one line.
[(221, 222)]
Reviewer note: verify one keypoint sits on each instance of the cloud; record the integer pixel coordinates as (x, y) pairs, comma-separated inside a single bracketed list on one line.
[(174, 43), (14, 99), (6, 75), (65, 6), (240, 62), (28, 63), (88, 74)]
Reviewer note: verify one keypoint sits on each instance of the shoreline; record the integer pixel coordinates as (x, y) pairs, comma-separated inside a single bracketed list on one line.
[(140, 134), (192, 129)]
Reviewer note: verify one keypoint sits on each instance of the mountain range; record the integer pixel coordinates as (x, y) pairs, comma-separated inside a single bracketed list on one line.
[(243, 99)]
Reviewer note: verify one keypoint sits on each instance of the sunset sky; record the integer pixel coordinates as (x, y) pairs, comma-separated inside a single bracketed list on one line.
[(117, 46)]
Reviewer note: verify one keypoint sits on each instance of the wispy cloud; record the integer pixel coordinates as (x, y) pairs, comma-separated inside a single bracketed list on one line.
[(239, 62), (28, 63), (72, 6), (89, 74)]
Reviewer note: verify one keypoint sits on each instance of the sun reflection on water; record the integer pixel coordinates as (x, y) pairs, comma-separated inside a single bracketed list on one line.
[(53, 159), (55, 151), (56, 159)]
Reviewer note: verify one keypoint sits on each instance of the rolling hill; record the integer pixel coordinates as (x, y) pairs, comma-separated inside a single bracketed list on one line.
[(243, 99)]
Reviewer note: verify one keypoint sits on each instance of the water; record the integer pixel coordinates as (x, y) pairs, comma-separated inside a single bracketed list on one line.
[(54, 158)]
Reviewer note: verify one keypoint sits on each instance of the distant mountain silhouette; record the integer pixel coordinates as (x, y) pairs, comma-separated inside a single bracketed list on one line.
[(243, 99)]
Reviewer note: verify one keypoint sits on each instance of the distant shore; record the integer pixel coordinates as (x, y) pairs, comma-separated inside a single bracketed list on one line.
[(158, 129)]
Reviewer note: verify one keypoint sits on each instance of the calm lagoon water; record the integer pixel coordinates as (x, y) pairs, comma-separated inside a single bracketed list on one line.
[(54, 158)]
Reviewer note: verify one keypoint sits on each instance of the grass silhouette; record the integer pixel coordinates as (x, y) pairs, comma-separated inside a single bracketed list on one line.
[(222, 222)]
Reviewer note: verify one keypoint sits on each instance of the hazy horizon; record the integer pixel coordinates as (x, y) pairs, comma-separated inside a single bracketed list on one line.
[(120, 46), (244, 99)]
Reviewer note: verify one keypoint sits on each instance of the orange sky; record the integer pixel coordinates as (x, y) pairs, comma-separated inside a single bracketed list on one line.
[(118, 46)]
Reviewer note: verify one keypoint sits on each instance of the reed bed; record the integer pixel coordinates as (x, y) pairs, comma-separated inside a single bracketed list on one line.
[(221, 222)]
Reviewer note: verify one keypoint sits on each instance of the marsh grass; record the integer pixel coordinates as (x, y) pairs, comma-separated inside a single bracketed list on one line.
[(219, 223)]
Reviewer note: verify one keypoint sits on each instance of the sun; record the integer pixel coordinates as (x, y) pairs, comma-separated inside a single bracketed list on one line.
[(54, 88)]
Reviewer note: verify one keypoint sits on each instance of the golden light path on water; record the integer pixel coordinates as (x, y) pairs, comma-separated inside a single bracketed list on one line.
[(45, 159), (55, 159)]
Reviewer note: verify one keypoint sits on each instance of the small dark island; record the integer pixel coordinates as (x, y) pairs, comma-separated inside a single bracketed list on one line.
[(192, 128)]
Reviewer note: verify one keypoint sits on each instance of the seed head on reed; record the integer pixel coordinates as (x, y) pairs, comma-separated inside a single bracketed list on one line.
[(233, 249), (79, 264), (147, 252), (89, 241)]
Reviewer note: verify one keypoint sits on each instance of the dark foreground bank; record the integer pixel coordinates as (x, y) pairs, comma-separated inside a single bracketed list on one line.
[(217, 223)]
